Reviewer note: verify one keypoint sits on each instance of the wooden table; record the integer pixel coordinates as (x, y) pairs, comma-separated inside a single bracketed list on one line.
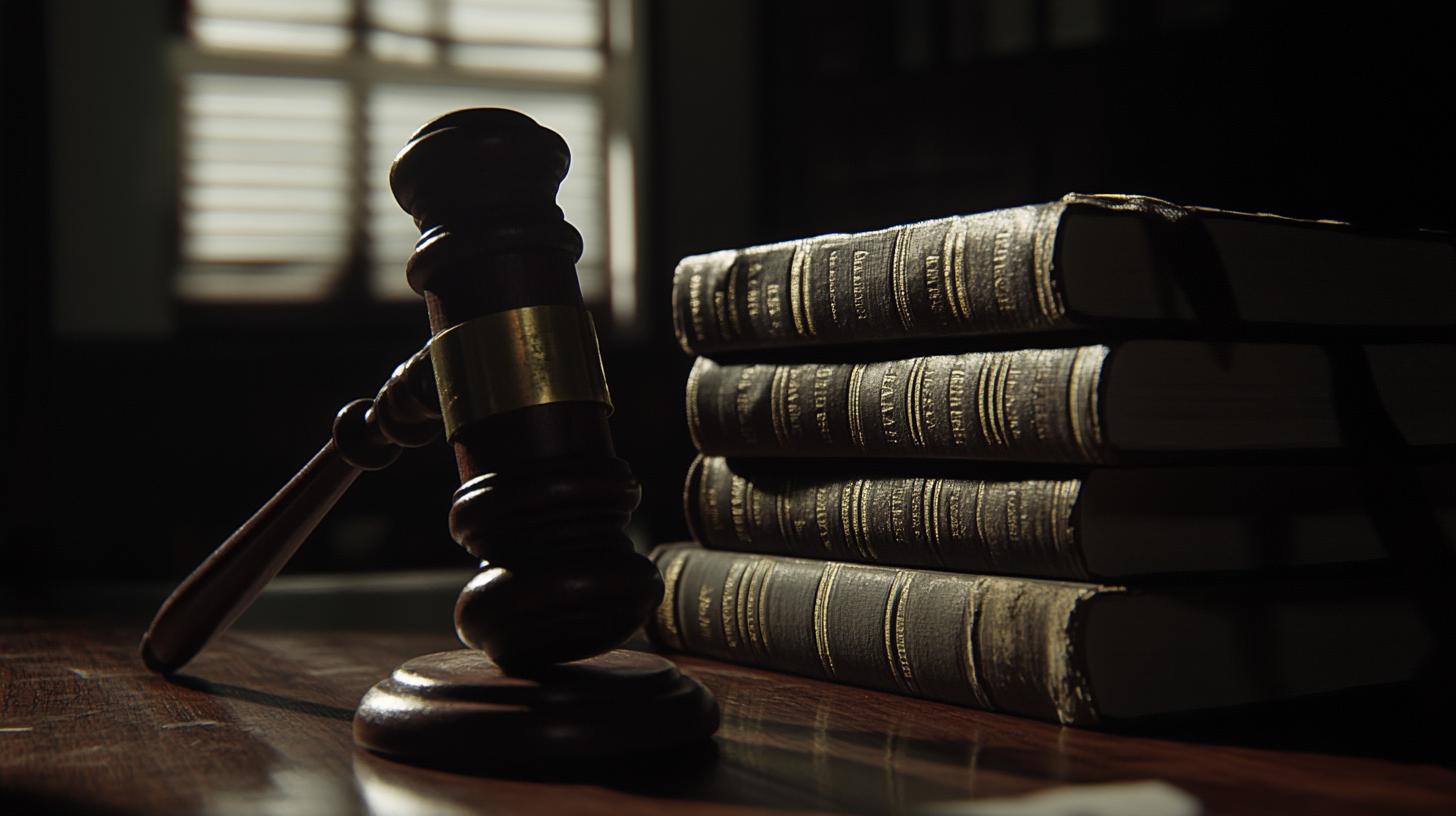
[(260, 723)]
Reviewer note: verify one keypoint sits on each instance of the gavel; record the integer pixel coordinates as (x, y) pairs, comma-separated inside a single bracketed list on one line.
[(514, 373)]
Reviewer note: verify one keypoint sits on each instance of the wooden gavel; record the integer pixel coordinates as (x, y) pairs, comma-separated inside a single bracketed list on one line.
[(514, 373)]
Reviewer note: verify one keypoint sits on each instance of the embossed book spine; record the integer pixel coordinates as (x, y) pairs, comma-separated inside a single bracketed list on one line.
[(1033, 268), (1007, 527), (1002, 644), (975, 274), (1030, 405)]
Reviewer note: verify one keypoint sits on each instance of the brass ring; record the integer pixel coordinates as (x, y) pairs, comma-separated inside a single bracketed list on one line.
[(534, 355)]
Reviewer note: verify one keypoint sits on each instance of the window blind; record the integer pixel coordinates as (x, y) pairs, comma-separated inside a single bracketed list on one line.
[(285, 102)]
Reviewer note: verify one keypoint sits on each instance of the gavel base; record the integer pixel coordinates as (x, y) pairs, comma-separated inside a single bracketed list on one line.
[(459, 710)]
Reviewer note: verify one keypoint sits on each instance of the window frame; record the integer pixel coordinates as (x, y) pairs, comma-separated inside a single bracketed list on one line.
[(349, 298)]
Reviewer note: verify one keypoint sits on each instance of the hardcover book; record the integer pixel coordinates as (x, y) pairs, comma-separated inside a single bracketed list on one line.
[(1085, 261), (1075, 653), (1087, 524), (1136, 400)]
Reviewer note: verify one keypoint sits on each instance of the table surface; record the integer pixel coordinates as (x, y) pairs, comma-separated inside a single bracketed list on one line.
[(260, 723)]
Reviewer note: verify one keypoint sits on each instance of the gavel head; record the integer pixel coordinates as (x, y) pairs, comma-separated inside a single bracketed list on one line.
[(543, 500)]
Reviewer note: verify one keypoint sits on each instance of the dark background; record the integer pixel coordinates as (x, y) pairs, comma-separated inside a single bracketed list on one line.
[(140, 432)]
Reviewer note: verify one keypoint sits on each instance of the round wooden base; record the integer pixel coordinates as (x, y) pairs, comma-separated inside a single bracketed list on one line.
[(459, 709)]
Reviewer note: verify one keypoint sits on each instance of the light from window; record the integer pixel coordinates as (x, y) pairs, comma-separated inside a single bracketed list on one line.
[(285, 102), (264, 177), (313, 27)]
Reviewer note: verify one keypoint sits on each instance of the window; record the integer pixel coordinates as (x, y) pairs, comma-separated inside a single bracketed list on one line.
[(291, 111)]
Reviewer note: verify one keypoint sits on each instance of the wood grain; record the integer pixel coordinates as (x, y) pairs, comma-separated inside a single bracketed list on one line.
[(261, 723)]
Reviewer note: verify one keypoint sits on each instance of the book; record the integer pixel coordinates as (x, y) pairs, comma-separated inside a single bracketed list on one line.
[(1135, 400), (1075, 653), (1084, 261), (1089, 524)]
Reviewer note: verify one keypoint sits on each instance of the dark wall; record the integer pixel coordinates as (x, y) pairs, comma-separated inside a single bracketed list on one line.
[(144, 436), (881, 112)]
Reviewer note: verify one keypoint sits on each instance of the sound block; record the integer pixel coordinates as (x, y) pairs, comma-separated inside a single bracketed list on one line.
[(460, 710)]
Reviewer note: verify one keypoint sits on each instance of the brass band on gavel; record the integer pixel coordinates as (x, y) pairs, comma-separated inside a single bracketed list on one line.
[(517, 358)]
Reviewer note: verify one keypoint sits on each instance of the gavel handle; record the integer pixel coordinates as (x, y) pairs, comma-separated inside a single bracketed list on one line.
[(368, 435), (228, 582)]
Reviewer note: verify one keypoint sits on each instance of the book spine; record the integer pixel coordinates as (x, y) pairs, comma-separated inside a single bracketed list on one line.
[(973, 274), (1001, 644), (1030, 405), (1023, 527)]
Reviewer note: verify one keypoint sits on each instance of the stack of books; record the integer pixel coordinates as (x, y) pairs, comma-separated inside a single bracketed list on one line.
[(1091, 461)]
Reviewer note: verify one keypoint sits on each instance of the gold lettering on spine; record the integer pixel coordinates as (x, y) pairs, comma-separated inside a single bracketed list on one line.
[(932, 275), (743, 402), (916, 496), (755, 295), (899, 523), (932, 403), (956, 403), (705, 620), (846, 517), (856, 422), (1011, 429), (774, 307), (695, 307), (821, 616), (720, 315), (667, 622), (738, 511), (823, 375), (858, 288), (848, 521), (889, 378), (1001, 284), (821, 518), (1049, 408), (1015, 517), (955, 512)]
